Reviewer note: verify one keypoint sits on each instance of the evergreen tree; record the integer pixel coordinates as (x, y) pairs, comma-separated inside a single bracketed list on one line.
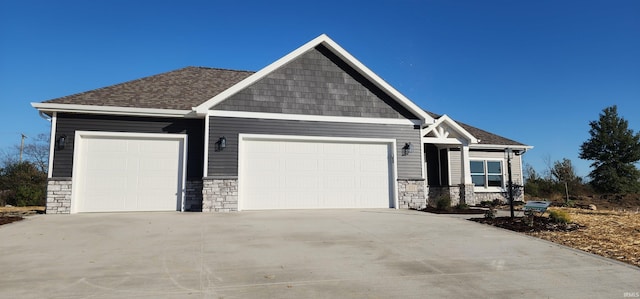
[(613, 148)]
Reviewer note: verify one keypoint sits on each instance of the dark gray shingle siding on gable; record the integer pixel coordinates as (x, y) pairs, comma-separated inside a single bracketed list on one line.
[(225, 163), (316, 83), (180, 89), (67, 124)]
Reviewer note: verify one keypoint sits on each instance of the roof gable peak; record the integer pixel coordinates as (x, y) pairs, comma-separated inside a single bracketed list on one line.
[(342, 54)]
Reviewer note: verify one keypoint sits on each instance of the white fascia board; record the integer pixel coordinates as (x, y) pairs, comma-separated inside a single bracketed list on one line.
[(500, 147), (318, 118), (336, 49), (112, 110), (450, 122)]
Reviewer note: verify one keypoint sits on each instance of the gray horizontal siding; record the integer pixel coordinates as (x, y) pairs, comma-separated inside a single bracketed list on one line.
[(225, 163), (455, 167), (68, 124), (456, 170), (316, 83)]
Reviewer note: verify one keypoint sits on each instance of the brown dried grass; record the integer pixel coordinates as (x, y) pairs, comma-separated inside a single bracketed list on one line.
[(612, 234)]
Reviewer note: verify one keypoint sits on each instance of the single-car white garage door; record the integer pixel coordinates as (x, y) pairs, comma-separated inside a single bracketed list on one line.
[(118, 172), (307, 174)]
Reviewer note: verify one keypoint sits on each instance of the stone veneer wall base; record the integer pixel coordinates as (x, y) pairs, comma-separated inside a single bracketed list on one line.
[(412, 194), (219, 194), (59, 196)]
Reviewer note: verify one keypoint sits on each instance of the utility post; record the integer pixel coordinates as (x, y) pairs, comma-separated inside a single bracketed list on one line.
[(509, 152), (22, 146)]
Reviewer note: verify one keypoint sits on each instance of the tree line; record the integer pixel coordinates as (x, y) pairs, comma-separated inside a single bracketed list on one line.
[(613, 149)]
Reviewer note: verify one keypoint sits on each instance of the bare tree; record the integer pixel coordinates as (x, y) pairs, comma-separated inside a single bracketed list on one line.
[(37, 151)]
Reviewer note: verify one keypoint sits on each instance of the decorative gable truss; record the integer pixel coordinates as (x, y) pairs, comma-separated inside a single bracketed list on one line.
[(446, 131)]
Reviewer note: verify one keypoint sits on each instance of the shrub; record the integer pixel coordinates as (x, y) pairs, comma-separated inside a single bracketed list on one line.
[(23, 185), (569, 203), (490, 203), (490, 213), (485, 203), (462, 206), (559, 216), (443, 203)]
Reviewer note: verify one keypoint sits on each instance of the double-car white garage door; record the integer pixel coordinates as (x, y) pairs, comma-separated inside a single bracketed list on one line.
[(115, 172), (286, 173)]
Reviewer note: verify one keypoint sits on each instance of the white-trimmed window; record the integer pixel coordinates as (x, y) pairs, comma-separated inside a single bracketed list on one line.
[(487, 173)]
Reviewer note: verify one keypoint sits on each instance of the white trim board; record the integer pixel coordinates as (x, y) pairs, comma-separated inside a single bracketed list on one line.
[(77, 152), (318, 118), (114, 110), (52, 143), (205, 169), (336, 49)]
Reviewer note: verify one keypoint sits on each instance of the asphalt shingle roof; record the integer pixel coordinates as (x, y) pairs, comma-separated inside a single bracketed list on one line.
[(180, 89), (191, 86), (484, 136)]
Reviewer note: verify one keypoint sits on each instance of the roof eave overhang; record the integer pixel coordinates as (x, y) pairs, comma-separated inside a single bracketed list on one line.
[(501, 146), (112, 110), (336, 49)]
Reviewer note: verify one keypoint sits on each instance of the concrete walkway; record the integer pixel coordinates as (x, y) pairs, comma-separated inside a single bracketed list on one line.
[(293, 254)]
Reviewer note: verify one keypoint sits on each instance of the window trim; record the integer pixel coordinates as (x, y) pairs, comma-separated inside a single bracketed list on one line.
[(486, 174)]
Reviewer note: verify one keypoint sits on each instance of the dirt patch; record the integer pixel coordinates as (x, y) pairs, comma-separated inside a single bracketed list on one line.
[(612, 234), (13, 214)]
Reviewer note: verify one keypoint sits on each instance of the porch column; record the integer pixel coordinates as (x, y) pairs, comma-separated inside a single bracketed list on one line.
[(465, 165), (467, 194)]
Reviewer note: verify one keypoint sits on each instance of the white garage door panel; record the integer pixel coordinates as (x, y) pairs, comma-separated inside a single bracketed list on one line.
[(128, 174), (288, 174)]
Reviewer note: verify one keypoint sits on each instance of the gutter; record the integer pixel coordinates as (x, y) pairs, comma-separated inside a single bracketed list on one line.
[(113, 110)]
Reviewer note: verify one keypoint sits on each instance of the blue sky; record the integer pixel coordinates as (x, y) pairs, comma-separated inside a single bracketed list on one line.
[(533, 71)]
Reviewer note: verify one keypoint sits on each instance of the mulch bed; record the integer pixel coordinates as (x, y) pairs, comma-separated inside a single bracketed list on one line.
[(9, 219), (519, 224), (454, 211)]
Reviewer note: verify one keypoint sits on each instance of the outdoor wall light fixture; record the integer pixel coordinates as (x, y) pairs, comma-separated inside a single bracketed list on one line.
[(407, 149), (222, 143), (61, 141)]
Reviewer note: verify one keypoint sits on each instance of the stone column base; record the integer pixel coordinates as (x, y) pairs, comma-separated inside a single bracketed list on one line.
[(411, 194), (219, 194), (59, 196), (467, 195)]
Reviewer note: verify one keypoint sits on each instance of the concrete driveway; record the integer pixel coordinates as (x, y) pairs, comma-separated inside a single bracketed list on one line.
[(293, 254)]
